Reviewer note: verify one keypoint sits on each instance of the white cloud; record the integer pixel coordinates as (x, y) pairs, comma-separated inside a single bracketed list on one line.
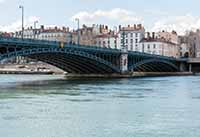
[(178, 23), (155, 12), (1, 1), (17, 24), (122, 16), (118, 15)]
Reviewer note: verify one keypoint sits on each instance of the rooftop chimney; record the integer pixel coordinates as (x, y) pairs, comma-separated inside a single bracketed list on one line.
[(42, 27), (148, 35), (135, 26), (139, 26), (67, 29), (120, 27), (153, 35), (106, 27)]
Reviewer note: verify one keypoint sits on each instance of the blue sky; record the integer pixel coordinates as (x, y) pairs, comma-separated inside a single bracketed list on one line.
[(155, 15)]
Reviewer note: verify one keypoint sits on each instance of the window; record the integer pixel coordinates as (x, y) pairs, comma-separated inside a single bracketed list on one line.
[(131, 34), (126, 40), (104, 43), (142, 47), (154, 46), (148, 46), (136, 40), (132, 47), (136, 34), (131, 40), (136, 47)]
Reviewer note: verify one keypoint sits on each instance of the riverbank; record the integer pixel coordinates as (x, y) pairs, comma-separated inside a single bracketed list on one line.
[(130, 75), (45, 69), (14, 71), (37, 69)]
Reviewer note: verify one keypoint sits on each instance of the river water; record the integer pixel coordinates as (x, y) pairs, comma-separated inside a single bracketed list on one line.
[(52, 106)]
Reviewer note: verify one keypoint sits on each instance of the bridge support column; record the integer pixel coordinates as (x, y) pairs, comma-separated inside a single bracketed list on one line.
[(124, 62), (183, 67), (190, 67)]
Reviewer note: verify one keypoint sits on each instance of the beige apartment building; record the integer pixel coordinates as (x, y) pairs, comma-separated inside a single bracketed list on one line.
[(169, 36), (154, 44), (88, 35), (194, 43)]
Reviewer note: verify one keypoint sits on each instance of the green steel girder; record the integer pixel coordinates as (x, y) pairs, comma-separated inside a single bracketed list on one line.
[(153, 61), (66, 62), (84, 59), (145, 68), (58, 50), (90, 65), (54, 63)]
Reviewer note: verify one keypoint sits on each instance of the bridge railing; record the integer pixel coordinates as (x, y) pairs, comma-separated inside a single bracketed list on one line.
[(33, 42), (30, 41)]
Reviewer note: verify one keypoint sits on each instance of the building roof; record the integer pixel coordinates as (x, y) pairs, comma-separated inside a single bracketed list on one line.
[(54, 30), (132, 28), (106, 36), (156, 40)]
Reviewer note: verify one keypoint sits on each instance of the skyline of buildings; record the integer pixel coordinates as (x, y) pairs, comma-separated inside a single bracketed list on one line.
[(132, 37)]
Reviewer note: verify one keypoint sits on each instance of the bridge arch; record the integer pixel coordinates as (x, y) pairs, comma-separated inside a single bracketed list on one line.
[(73, 61), (154, 65)]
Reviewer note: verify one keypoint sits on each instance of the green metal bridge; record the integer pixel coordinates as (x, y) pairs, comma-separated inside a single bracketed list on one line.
[(79, 59)]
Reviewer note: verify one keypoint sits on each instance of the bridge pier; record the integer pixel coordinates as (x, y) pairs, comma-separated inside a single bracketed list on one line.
[(190, 67), (124, 62), (183, 67)]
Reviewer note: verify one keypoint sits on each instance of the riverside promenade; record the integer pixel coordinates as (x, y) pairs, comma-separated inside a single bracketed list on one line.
[(37, 68)]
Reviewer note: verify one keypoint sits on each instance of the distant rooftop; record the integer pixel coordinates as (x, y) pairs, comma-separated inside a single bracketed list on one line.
[(135, 27)]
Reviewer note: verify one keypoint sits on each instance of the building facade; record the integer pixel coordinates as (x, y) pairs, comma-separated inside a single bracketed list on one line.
[(106, 41), (169, 36), (56, 34), (193, 41), (129, 37), (52, 34), (152, 44), (87, 34)]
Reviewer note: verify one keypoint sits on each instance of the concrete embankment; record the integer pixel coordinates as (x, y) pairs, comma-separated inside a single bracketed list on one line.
[(130, 75), (11, 71)]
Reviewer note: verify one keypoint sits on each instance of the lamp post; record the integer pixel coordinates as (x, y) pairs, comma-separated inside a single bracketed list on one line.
[(78, 23), (22, 7), (35, 26)]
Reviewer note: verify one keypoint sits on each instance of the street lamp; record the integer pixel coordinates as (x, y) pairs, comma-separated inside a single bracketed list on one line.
[(35, 26), (78, 23), (22, 7)]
